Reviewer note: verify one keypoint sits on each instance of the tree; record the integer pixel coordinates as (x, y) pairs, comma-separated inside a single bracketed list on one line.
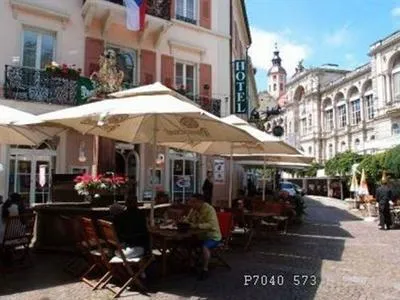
[(392, 161), (311, 171), (373, 165), (342, 163)]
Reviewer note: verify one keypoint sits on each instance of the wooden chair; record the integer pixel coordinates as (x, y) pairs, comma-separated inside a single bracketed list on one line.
[(225, 220), (99, 256), (139, 264), (18, 236)]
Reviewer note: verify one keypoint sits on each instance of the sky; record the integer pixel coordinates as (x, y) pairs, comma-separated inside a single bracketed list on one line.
[(318, 31)]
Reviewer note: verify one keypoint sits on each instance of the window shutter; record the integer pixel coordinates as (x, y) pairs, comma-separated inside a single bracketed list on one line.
[(205, 13), (167, 70), (93, 49), (205, 80), (147, 67), (172, 8)]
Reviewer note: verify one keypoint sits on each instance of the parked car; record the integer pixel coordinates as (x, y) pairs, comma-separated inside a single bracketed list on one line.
[(291, 188)]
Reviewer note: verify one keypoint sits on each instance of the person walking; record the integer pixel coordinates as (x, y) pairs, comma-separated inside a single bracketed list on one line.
[(208, 187), (384, 198)]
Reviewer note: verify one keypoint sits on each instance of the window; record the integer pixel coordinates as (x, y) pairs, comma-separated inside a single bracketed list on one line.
[(395, 129), (330, 151), (186, 11), (356, 144), (281, 77), (342, 116), (274, 77), (304, 126), (310, 150), (38, 48), (329, 120), (355, 112), (396, 79), (369, 104), (309, 122), (274, 87), (185, 78), (281, 86), (343, 146), (126, 62), (372, 138)]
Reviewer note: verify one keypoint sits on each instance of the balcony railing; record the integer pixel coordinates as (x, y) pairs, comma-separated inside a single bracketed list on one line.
[(211, 105), (27, 84), (156, 8)]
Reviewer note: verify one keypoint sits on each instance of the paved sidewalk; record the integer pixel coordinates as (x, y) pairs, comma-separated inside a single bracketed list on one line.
[(350, 259)]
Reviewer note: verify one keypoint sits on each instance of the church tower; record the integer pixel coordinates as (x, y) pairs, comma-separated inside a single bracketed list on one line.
[(276, 76)]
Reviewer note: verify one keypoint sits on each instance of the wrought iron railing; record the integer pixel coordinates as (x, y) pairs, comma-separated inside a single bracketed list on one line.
[(211, 105), (28, 84), (157, 8)]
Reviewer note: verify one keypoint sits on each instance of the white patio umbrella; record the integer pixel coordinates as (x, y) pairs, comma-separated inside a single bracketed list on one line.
[(15, 131), (148, 114), (263, 143)]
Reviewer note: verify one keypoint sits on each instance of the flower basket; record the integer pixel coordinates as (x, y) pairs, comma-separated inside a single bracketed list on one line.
[(63, 71)]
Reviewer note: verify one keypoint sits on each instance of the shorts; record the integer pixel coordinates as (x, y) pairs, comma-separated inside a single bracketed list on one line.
[(211, 244)]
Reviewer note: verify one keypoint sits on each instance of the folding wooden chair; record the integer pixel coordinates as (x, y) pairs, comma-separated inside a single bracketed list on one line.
[(128, 265), (99, 256), (18, 235), (225, 220)]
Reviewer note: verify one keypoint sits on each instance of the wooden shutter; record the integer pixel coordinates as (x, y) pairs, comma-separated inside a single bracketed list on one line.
[(205, 13), (172, 9), (93, 49), (106, 155), (167, 70), (205, 80), (147, 67)]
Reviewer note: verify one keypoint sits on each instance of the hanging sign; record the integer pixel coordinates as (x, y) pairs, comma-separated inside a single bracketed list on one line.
[(240, 73), (42, 175), (219, 171)]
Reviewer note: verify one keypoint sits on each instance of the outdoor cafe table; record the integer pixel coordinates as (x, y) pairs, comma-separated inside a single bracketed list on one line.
[(254, 220), (168, 240)]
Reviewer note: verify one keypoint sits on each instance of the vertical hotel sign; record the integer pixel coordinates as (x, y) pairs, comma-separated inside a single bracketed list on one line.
[(241, 104)]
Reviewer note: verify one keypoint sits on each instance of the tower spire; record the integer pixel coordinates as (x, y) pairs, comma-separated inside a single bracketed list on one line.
[(276, 60)]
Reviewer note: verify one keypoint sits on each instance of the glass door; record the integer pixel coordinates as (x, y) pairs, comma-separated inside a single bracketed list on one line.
[(183, 179), (26, 179)]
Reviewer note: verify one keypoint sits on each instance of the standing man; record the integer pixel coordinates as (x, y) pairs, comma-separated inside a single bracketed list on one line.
[(208, 187), (384, 198)]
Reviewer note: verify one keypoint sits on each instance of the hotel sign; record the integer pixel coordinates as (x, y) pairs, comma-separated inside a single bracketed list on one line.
[(240, 68)]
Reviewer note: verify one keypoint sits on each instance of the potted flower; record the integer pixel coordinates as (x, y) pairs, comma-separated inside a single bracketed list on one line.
[(64, 70)]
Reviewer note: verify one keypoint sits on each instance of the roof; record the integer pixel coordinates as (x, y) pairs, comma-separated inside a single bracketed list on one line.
[(246, 20), (276, 69)]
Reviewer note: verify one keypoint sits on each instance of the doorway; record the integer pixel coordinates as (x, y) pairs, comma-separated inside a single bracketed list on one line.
[(184, 170), (26, 177)]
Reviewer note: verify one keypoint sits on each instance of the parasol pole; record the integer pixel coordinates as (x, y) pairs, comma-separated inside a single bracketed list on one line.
[(230, 177), (153, 173), (264, 178)]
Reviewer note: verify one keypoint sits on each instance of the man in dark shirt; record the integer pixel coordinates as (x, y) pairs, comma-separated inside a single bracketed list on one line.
[(131, 226), (383, 197), (208, 188)]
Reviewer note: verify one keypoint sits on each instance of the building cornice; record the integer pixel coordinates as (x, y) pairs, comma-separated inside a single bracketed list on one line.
[(300, 76), (384, 43)]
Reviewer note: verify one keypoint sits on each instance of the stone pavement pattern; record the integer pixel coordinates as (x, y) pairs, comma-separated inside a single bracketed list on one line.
[(350, 258)]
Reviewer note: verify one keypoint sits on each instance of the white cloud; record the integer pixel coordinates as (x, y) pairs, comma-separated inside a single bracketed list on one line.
[(263, 45), (395, 12), (338, 37)]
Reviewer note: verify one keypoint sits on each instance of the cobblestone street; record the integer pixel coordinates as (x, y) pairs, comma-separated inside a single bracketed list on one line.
[(350, 259)]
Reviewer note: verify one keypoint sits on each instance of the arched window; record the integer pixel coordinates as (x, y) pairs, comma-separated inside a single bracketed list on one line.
[(328, 117), (395, 129), (396, 78), (330, 151), (310, 122), (274, 87), (343, 146), (369, 100), (357, 144)]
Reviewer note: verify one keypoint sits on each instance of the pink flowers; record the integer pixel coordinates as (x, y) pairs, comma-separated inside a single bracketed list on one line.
[(91, 185)]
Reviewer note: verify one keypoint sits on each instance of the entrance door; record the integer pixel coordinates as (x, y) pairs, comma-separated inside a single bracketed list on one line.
[(183, 179), (24, 176)]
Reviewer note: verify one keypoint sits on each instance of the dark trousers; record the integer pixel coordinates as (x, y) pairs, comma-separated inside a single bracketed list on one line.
[(384, 215)]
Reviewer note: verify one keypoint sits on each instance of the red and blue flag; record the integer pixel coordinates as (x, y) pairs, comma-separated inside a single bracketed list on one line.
[(135, 14)]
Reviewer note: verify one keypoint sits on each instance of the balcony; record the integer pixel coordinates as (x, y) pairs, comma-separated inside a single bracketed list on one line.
[(39, 86), (211, 105), (110, 12)]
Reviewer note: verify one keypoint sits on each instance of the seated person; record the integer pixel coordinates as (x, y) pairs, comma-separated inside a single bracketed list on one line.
[(161, 197), (131, 228), (203, 216)]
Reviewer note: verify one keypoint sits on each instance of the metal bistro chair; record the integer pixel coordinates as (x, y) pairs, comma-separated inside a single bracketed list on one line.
[(225, 220), (133, 267)]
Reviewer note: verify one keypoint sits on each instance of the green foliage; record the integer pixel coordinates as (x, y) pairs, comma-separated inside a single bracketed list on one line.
[(373, 166), (392, 161), (342, 163), (311, 171)]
